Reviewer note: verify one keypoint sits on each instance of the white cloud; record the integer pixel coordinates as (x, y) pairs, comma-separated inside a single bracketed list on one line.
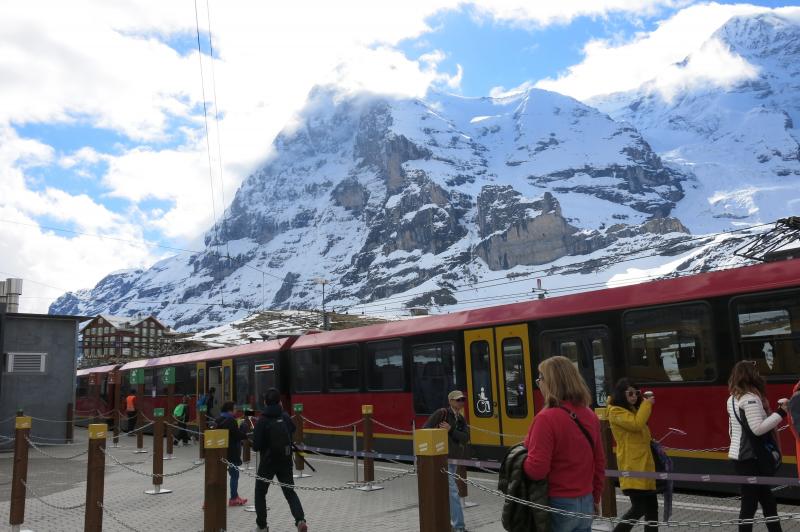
[(545, 13), (610, 67)]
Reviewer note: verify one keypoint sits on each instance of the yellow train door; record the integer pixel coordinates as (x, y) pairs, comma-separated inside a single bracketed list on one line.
[(227, 380), (482, 387), (499, 384), (515, 382), (200, 385)]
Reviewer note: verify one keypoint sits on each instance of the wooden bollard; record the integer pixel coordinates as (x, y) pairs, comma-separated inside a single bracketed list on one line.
[(70, 435), (201, 428), (170, 408), (369, 461), (19, 476), (139, 419), (114, 379), (158, 453), (430, 448), (95, 478), (608, 501), (299, 462), (215, 517)]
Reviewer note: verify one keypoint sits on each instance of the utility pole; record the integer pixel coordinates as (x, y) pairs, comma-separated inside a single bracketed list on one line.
[(323, 282)]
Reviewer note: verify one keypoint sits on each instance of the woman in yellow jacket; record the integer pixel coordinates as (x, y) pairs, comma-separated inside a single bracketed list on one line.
[(628, 413)]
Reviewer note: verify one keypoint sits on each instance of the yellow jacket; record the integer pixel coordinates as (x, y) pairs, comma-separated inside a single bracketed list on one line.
[(633, 444)]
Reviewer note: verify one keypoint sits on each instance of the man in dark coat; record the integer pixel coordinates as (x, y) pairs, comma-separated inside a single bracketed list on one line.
[(452, 420), (226, 420), (272, 439)]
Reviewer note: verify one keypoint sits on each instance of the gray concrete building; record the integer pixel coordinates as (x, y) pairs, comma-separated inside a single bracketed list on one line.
[(38, 354)]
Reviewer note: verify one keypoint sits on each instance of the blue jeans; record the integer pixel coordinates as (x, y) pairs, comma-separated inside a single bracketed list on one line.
[(234, 472), (456, 512), (564, 523)]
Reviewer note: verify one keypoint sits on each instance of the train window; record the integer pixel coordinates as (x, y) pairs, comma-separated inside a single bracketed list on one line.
[(481, 377), (769, 332), (669, 344), (434, 375), (385, 366), (343, 369), (586, 347), (514, 378), (307, 370), (242, 385)]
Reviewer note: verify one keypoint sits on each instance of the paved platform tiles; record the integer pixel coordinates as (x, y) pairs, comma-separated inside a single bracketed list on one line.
[(61, 482)]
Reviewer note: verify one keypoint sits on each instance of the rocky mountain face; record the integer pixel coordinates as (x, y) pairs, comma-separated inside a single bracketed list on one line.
[(403, 201), (381, 195), (736, 136)]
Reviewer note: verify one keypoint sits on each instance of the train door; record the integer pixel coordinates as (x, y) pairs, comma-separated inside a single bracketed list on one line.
[(588, 349), (215, 381), (266, 377), (227, 380), (499, 384)]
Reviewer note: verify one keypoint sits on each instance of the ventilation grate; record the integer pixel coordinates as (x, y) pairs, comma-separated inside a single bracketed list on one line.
[(26, 362)]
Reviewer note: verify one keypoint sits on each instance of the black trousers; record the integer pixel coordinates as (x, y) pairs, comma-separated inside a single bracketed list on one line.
[(752, 495), (643, 504), (131, 420), (284, 474), (182, 434)]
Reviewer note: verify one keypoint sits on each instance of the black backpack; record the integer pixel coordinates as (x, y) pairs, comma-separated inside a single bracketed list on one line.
[(279, 451)]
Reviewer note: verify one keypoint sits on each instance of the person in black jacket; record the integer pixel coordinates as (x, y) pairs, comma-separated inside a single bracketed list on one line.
[(272, 439), (452, 420), (226, 420)]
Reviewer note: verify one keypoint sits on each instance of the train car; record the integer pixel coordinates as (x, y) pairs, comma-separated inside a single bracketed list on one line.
[(678, 337), (93, 391)]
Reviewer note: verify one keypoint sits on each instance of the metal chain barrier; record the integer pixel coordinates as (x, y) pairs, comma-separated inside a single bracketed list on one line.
[(348, 425), (710, 450), (113, 517), (37, 449), (141, 428), (472, 427), (615, 520), (51, 505), (3, 437), (402, 474), (392, 428), (151, 474), (61, 420), (176, 427)]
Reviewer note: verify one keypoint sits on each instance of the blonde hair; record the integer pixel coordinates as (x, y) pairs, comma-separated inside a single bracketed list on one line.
[(561, 381)]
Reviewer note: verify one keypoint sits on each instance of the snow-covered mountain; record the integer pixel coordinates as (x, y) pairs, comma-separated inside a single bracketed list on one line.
[(735, 131), (453, 201)]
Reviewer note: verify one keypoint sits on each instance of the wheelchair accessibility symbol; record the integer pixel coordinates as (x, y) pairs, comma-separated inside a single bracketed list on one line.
[(483, 406)]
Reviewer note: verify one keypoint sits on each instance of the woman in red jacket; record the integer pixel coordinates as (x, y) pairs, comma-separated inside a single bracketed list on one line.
[(564, 446)]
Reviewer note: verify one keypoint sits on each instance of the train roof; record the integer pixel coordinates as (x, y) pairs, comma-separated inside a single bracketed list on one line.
[(211, 354), (98, 369), (746, 279)]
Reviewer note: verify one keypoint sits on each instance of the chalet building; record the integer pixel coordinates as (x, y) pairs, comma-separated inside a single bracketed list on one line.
[(115, 338)]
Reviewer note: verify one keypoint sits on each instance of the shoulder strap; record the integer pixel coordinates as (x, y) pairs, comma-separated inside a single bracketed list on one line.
[(733, 408), (574, 418)]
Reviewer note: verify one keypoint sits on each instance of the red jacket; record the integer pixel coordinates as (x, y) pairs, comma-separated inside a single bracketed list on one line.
[(559, 451)]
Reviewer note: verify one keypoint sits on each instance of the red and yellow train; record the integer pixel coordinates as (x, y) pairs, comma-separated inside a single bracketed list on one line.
[(678, 337)]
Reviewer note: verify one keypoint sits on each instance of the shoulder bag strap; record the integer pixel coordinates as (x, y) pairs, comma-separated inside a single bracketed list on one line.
[(574, 418)]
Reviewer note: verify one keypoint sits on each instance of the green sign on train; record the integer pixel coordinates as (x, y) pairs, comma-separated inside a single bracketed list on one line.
[(168, 376), (137, 376)]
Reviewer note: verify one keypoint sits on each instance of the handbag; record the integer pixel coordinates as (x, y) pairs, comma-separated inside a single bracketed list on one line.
[(768, 454), (663, 464)]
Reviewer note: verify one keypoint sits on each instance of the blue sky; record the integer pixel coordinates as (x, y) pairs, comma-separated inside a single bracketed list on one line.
[(102, 132)]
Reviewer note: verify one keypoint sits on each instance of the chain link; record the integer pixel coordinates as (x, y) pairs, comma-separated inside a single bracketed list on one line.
[(392, 428), (37, 449), (353, 424), (390, 478), (473, 427), (710, 450), (108, 512), (616, 520), (177, 427), (150, 475), (51, 505)]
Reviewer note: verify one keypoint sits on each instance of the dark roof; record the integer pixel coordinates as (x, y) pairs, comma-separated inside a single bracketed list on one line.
[(46, 316)]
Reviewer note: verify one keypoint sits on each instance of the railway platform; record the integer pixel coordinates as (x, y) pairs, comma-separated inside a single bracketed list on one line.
[(57, 494)]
